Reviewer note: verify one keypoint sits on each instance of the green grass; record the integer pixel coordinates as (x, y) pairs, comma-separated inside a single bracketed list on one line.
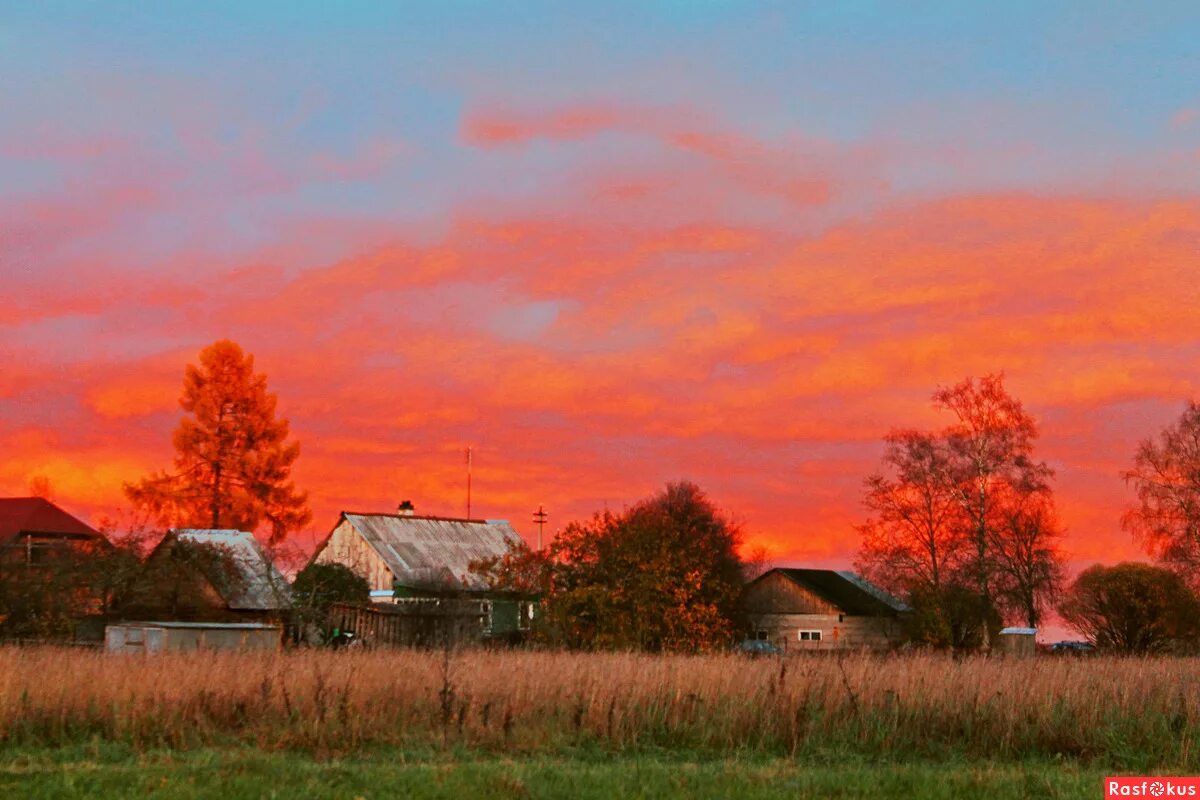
[(237, 774)]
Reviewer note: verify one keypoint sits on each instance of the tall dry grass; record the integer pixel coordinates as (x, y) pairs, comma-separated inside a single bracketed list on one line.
[(1126, 711)]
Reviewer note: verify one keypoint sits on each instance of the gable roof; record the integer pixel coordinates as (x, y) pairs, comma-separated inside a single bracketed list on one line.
[(257, 586), (432, 553), (23, 515), (848, 591)]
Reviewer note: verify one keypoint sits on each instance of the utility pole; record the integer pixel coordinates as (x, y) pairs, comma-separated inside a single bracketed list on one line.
[(539, 517), (468, 482)]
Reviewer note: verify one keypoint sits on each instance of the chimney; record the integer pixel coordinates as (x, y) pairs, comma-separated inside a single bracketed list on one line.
[(405, 509)]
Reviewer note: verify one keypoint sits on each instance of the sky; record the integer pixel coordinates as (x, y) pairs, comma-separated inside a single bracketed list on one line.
[(607, 245)]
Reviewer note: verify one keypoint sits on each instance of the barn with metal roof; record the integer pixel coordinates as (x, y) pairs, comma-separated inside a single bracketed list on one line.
[(415, 554)]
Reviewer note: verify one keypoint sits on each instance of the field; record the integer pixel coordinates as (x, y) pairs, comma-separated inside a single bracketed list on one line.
[(532, 724)]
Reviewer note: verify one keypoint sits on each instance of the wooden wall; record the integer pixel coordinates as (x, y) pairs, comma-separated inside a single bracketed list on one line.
[(415, 623), (347, 547), (838, 631), (777, 605)]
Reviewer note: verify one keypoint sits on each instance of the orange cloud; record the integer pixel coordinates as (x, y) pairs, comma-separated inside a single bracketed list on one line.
[(620, 330), (133, 398)]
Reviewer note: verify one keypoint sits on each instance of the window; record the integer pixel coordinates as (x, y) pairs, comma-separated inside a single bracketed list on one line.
[(42, 550), (760, 636), (810, 636), (841, 617)]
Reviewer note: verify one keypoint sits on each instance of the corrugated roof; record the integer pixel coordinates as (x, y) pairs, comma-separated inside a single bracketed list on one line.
[(259, 586), (1018, 631), (20, 515), (433, 553), (851, 593)]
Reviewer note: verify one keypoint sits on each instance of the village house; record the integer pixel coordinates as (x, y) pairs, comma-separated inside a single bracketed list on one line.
[(419, 561), (216, 575), (33, 529), (821, 609)]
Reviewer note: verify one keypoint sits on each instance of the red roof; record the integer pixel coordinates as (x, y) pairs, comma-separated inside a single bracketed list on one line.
[(19, 515)]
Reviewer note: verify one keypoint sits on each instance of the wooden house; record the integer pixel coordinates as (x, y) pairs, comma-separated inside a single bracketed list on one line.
[(407, 558), (821, 609)]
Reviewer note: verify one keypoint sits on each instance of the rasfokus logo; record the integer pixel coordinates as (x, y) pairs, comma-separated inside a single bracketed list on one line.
[(1152, 787)]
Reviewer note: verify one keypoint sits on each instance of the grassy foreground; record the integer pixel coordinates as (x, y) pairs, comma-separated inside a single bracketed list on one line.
[(408, 723), (242, 774), (1135, 714)]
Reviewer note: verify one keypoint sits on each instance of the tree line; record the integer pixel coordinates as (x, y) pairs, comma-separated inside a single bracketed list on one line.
[(961, 523)]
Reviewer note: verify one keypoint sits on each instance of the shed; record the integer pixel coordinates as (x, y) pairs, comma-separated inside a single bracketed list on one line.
[(158, 637), (821, 609), (1017, 641)]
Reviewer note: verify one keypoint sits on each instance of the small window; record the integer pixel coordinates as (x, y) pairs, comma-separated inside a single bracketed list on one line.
[(760, 636), (40, 551), (841, 617), (810, 636)]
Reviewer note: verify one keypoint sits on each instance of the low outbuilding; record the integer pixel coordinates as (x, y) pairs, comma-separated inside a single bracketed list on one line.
[(1017, 641), (159, 637)]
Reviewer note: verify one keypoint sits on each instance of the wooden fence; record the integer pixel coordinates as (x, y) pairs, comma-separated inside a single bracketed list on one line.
[(415, 622)]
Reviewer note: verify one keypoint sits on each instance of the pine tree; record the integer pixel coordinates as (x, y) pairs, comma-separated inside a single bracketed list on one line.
[(232, 459)]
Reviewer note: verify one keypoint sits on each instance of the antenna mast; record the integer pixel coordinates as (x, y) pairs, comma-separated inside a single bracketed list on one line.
[(468, 482)]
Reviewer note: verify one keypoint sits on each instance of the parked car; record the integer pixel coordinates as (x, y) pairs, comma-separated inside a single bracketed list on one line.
[(759, 647), (1072, 648)]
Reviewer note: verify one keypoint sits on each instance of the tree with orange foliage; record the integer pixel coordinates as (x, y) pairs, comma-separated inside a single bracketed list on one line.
[(233, 460), (992, 467), (914, 536), (965, 511), (1166, 477), (1027, 556)]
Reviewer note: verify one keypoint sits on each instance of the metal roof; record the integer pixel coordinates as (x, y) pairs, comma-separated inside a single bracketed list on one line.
[(1019, 631), (433, 553), (850, 592), (22, 515), (259, 586)]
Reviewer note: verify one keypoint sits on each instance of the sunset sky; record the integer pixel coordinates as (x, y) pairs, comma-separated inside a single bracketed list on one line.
[(731, 242)]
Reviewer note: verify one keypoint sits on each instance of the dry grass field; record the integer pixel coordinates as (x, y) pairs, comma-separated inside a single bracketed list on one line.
[(1127, 713)]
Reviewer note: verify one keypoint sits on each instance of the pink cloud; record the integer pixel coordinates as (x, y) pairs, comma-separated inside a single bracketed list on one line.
[(1184, 117)]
